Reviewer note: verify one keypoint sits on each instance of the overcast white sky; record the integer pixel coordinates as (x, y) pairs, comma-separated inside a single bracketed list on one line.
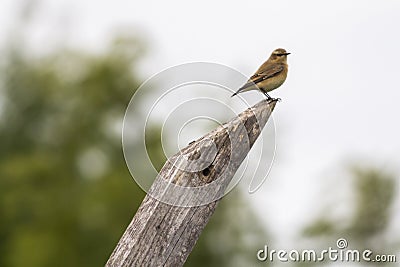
[(340, 101)]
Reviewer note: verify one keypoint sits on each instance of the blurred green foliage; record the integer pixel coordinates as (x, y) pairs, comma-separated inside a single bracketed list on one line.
[(66, 195), (374, 198), (366, 228)]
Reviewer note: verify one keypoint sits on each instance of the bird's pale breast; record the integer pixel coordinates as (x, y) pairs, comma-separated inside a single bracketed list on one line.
[(273, 82)]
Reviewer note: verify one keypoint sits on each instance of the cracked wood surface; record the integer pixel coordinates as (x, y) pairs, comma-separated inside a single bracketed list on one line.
[(186, 192)]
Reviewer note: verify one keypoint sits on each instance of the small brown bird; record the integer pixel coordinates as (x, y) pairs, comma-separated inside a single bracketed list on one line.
[(270, 75)]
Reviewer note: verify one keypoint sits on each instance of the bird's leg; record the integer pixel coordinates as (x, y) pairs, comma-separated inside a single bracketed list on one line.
[(267, 95), (271, 98)]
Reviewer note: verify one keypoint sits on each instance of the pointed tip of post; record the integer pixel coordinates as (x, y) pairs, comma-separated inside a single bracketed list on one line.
[(265, 105), (269, 101)]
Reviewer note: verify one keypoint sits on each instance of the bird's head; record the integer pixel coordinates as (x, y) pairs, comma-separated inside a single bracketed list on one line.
[(279, 55)]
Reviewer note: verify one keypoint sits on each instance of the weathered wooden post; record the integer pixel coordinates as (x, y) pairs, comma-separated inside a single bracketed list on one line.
[(186, 192)]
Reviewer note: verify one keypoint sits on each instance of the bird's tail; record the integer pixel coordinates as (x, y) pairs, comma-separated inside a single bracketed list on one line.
[(237, 92), (247, 87)]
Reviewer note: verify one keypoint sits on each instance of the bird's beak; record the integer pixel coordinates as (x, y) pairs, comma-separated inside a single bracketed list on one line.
[(287, 54)]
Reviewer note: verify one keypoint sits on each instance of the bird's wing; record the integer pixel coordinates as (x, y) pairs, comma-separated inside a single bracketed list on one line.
[(265, 74)]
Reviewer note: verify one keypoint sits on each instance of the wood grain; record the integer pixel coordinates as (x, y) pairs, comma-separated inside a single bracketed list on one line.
[(186, 192)]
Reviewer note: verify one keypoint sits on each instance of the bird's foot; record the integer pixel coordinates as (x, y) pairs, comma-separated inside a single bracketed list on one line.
[(276, 99)]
